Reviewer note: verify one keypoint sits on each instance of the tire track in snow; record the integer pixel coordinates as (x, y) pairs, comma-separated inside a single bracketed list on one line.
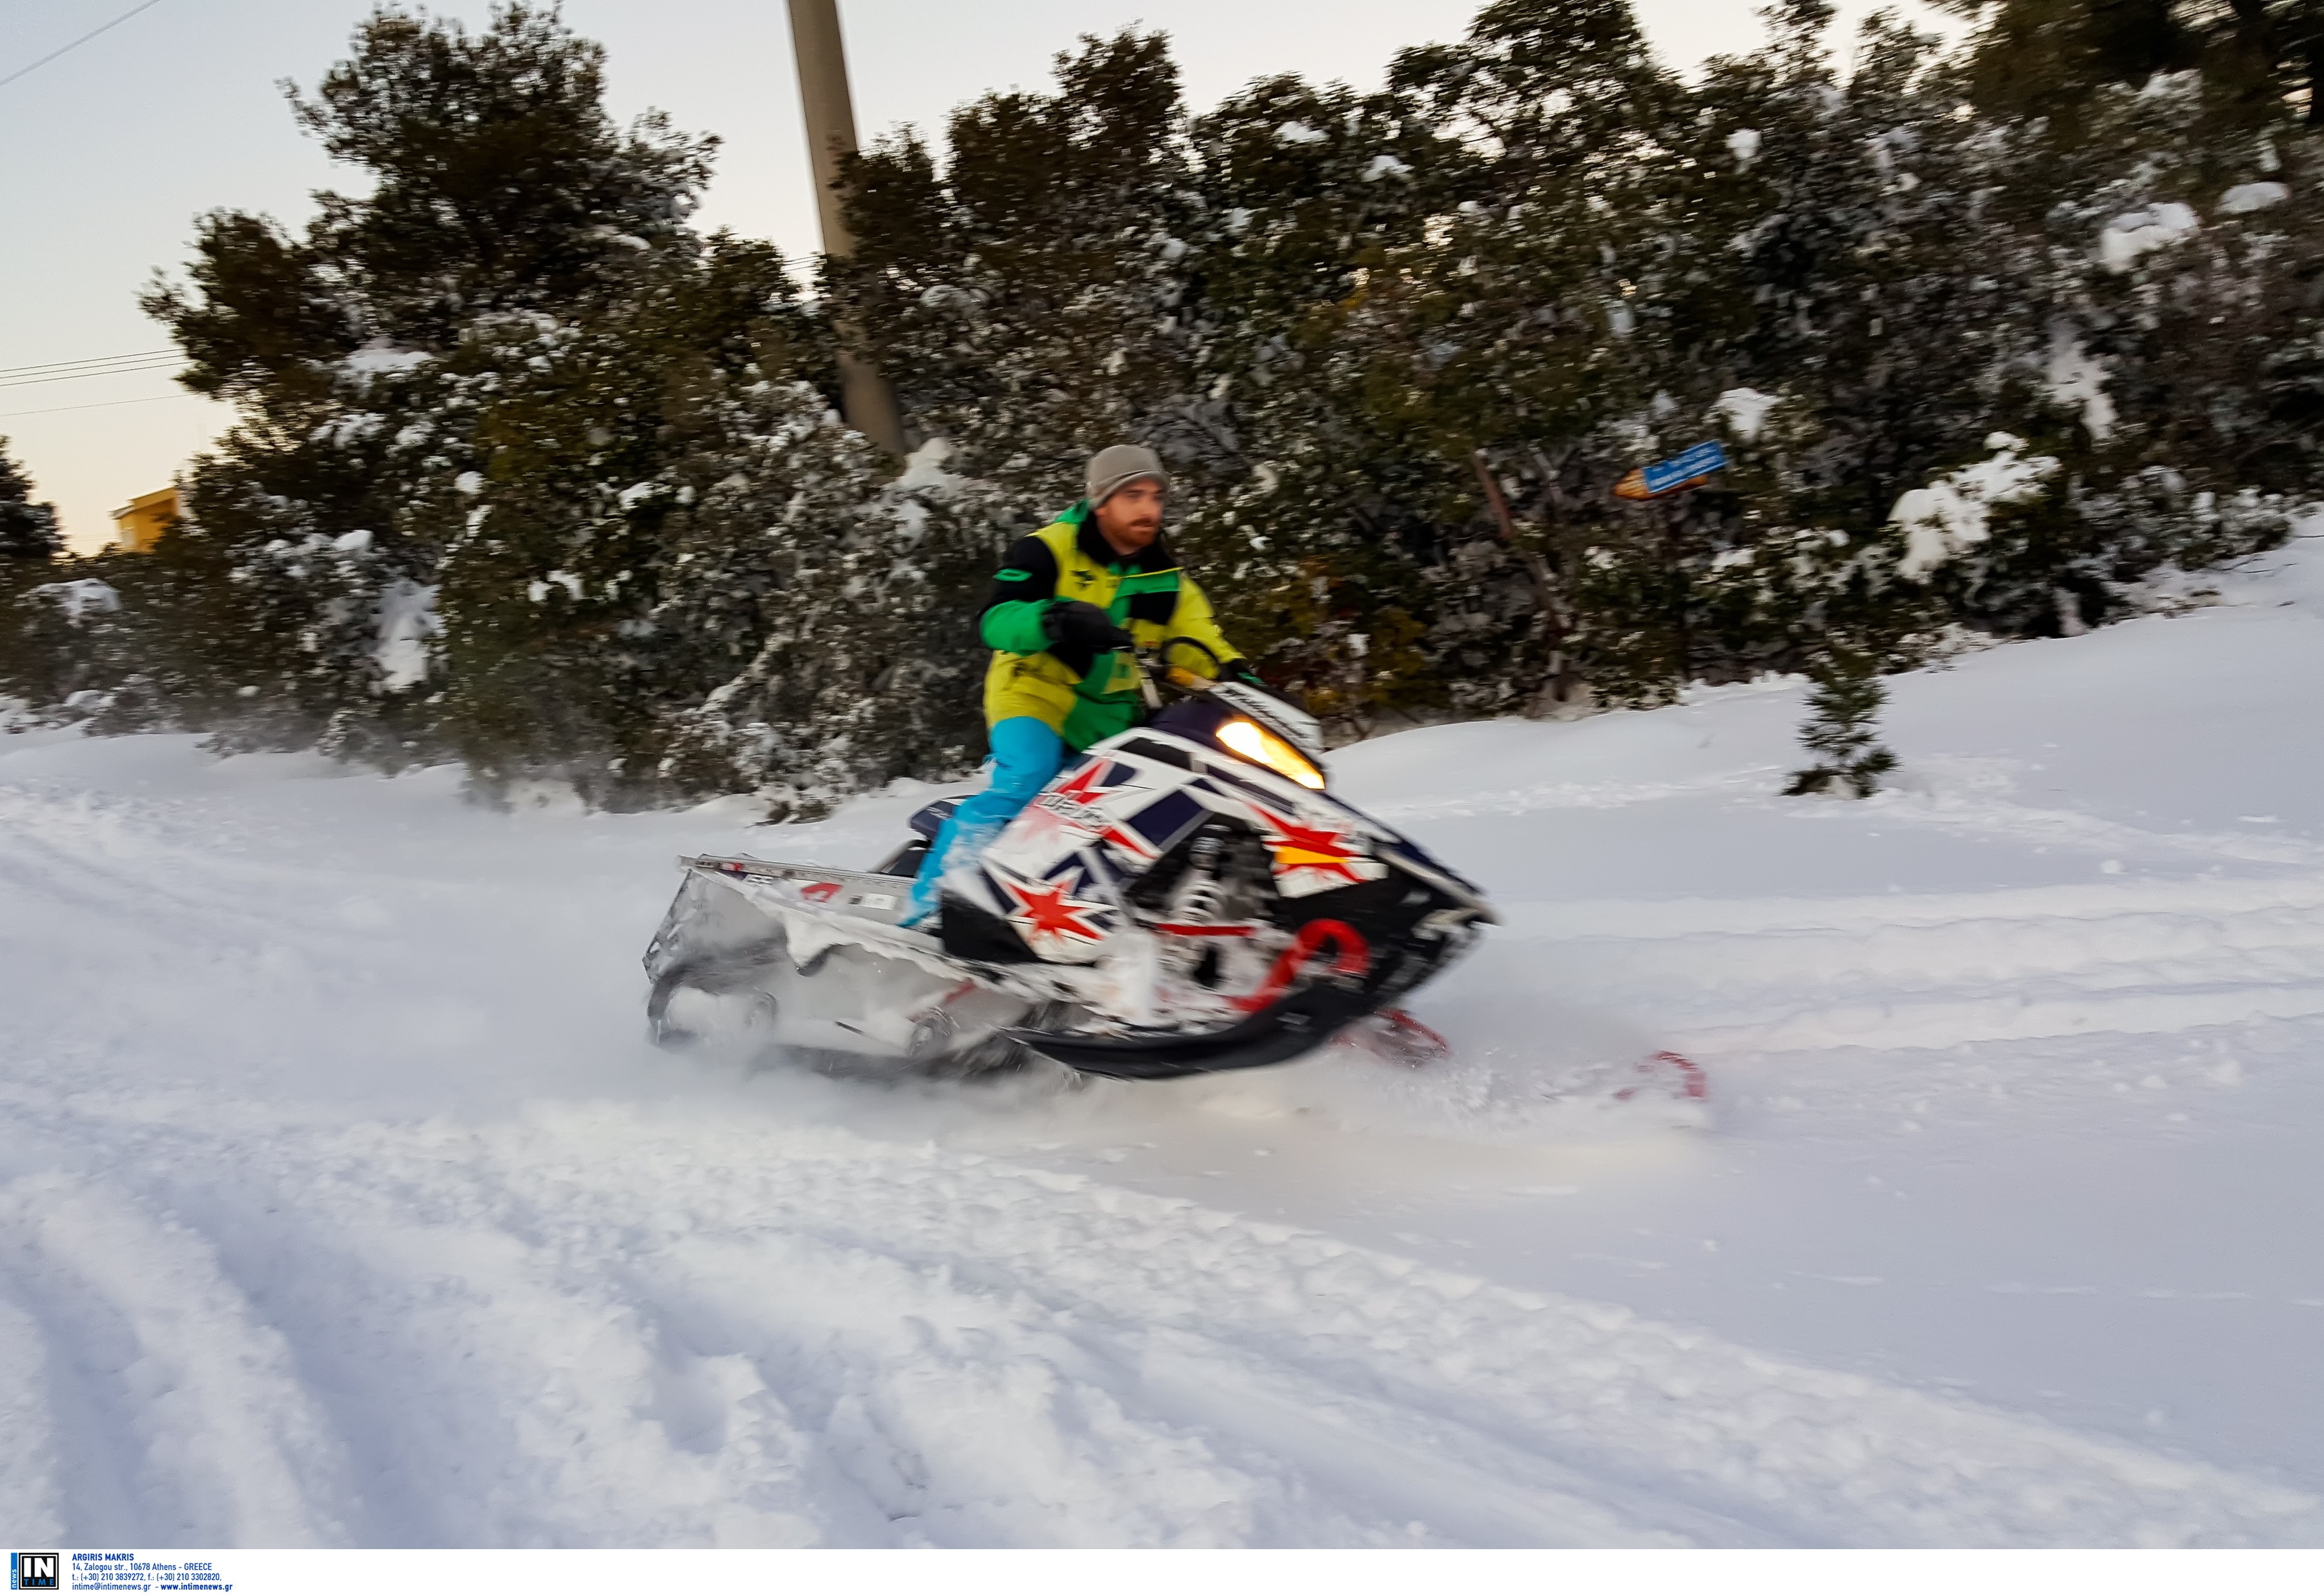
[(2144, 957), (30, 1503), (496, 1397), (970, 1417), (668, 1313), (1976, 812), (599, 1390), (113, 858), (608, 1325), (227, 1444), (1806, 1454)]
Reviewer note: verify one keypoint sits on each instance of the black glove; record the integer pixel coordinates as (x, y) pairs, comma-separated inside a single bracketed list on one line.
[(1082, 630)]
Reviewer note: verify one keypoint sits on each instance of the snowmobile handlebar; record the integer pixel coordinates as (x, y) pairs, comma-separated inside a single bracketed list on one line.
[(1155, 670)]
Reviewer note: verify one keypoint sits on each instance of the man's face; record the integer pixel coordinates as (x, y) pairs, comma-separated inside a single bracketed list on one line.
[(1131, 518)]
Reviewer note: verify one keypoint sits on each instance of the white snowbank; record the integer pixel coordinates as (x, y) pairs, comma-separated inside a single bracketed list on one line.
[(924, 470), (2136, 233), (407, 619), (2246, 198), (88, 595), (381, 357), (1953, 511), (2077, 378), (1745, 410)]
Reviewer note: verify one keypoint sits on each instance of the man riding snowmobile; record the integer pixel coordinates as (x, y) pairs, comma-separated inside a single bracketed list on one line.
[(1156, 880), (1067, 600)]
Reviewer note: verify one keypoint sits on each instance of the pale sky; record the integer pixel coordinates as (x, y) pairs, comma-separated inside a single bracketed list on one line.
[(108, 152)]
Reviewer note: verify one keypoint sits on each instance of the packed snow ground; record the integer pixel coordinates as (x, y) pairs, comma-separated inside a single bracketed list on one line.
[(343, 1200)]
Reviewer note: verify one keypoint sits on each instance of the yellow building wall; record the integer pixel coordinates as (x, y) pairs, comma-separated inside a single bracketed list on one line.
[(140, 523)]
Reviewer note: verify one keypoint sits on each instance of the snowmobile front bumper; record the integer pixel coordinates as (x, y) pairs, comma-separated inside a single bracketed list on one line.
[(1297, 1023)]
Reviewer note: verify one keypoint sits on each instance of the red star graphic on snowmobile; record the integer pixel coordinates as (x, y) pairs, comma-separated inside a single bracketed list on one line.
[(1047, 909), (1076, 800), (1079, 790), (1325, 851)]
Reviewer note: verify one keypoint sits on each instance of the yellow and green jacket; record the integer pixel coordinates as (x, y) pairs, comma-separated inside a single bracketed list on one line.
[(1085, 698)]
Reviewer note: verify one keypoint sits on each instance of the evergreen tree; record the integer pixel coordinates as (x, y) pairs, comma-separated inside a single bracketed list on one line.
[(28, 531), (865, 667), (1843, 729), (531, 473), (2046, 58), (1032, 301), (386, 355)]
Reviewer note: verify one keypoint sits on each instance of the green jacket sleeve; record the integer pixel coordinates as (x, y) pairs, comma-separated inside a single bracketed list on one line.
[(1020, 593)]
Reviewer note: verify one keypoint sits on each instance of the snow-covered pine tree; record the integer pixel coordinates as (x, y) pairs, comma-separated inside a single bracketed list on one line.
[(1030, 300), (40, 648), (2037, 61), (1307, 536), (1813, 301), (2157, 223), (596, 431), (1470, 307), (533, 474), (862, 664), (498, 187)]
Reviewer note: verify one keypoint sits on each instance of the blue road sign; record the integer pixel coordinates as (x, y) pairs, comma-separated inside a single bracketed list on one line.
[(1699, 461)]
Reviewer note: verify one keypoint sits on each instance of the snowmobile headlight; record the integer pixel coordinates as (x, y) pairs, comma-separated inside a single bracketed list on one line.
[(1263, 747)]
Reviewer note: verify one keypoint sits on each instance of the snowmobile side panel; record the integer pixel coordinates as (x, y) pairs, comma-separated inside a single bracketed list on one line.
[(859, 894)]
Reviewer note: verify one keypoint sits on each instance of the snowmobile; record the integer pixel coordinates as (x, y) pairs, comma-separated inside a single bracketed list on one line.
[(1186, 897)]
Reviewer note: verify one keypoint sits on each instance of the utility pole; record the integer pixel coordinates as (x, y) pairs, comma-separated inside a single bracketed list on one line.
[(865, 399)]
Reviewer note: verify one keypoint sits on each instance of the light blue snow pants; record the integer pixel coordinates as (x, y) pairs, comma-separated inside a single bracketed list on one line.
[(1025, 754)]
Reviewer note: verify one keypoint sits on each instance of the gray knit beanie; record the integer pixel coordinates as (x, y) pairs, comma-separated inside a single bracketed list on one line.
[(1115, 468)]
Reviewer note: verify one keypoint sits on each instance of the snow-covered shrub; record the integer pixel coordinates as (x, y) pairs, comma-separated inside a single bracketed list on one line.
[(558, 490), (864, 667), (59, 641)]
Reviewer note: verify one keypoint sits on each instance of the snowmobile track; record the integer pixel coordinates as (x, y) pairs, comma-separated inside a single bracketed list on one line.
[(606, 1325)]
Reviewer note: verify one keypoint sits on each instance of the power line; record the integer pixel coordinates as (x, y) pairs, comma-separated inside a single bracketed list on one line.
[(74, 376), (10, 371), (76, 43), (107, 404)]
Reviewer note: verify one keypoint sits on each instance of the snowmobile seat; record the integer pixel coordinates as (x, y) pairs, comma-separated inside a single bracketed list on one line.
[(929, 820), (906, 861)]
